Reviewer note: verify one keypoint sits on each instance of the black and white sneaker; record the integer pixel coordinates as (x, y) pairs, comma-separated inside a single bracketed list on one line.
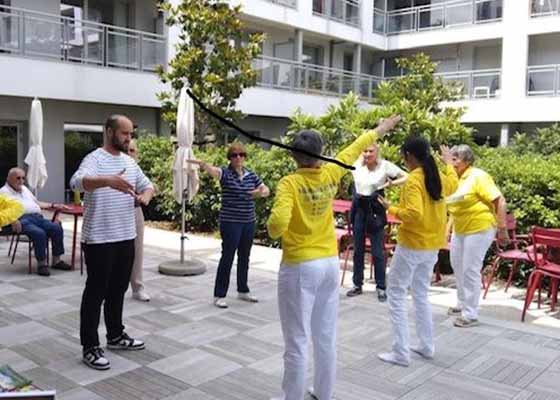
[(94, 358), (125, 342)]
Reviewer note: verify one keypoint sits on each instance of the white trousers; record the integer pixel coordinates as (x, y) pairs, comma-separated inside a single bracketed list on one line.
[(308, 305), (467, 254), (136, 280), (411, 269)]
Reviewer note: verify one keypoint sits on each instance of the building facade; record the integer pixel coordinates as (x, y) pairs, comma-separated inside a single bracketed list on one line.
[(86, 59)]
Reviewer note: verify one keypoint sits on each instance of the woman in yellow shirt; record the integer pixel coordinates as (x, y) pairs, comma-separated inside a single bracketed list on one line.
[(302, 216), (476, 208), (422, 233)]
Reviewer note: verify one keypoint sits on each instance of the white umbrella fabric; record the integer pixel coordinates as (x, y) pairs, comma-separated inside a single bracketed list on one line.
[(185, 175), (35, 159)]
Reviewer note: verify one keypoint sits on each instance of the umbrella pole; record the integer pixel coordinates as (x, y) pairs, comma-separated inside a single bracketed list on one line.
[(183, 228)]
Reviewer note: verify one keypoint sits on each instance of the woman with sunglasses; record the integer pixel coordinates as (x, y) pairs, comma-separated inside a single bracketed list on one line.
[(240, 188)]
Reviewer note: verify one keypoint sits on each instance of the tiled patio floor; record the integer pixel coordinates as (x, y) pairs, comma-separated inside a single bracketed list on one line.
[(196, 351)]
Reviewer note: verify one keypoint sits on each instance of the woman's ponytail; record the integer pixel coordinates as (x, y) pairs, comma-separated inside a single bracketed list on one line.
[(420, 149)]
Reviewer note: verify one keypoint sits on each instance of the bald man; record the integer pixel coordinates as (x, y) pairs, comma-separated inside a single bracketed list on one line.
[(33, 224)]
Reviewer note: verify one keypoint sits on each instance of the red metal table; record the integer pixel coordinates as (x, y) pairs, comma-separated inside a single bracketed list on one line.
[(77, 211)]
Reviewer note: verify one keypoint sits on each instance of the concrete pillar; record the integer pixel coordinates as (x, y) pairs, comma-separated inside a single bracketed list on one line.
[(504, 135), (357, 67), (515, 50), (298, 45)]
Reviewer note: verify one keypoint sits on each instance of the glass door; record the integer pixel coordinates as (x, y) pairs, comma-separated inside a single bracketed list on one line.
[(9, 149)]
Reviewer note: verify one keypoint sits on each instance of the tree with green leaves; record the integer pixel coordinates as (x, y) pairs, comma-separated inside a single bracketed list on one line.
[(214, 56)]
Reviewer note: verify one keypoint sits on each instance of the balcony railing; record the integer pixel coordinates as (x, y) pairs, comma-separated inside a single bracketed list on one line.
[(545, 8), (313, 79), (287, 3), (476, 84), (543, 80), (345, 11), (437, 16), (34, 34)]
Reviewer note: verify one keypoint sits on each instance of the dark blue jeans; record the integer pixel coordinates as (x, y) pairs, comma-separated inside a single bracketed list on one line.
[(376, 239), (38, 229), (236, 237)]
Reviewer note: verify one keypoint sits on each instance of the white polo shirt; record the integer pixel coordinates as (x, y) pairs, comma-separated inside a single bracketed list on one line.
[(367, 181), (25, 197)]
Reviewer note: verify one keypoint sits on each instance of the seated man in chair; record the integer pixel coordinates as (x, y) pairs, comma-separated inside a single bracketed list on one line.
[(33, 224)]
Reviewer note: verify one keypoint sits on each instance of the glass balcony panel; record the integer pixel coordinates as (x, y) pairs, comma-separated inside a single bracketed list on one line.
[(122, 49), (44, 36), (430, 18), (485, 86), (379, 22), (459, 14), (9, 31), (488, 10), (541, 81), (544, 7), (404, 22), (153, 53)]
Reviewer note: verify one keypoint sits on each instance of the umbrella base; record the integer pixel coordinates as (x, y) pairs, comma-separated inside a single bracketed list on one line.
[(191, 266)]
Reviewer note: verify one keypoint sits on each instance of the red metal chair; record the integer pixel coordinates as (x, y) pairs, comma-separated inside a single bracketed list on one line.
[(545, 243), (344, 232), (514, 254)]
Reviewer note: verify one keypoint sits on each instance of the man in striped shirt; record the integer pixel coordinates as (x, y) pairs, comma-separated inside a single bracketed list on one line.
[(113, 183)]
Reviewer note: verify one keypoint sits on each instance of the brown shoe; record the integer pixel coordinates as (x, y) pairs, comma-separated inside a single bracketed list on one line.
[(62, 266), (465, 322)]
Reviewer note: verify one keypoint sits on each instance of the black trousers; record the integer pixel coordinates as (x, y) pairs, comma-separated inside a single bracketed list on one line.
[(108, 272)]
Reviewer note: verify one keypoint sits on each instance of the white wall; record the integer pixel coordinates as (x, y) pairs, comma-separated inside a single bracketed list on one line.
[(76, 82), (56, 114)]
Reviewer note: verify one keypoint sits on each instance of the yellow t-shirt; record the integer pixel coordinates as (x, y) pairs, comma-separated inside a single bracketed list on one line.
[(423, 219), (10, 210), (471, 206), (302, 215)]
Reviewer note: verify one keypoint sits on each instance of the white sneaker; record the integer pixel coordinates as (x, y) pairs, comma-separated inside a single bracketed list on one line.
[(141, 295), (220, 302), (247, 297), (392, 358), (422, 353)]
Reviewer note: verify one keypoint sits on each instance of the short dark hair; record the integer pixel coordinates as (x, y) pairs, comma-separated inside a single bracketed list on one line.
[(310, 141)]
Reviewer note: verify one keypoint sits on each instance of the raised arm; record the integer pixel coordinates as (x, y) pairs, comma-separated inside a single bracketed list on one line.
[(351, 153), (215, 172), (85, 179)]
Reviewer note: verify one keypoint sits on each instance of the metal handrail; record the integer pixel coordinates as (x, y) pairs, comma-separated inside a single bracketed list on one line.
[(554, 88), (553, 5), (310, 78), (474, 90), (414, 14), (67, 36)]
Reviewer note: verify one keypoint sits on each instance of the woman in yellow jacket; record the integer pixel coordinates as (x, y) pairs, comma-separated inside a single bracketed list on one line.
[(476, 208), (423, 213), (10, 211), (302, 217)]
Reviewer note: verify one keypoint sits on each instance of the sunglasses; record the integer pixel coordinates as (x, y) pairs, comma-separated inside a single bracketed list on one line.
[(20, 178), (235, 155)]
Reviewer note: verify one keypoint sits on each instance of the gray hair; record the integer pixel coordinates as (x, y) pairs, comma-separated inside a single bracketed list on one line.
[(310, 141), (464, 153)]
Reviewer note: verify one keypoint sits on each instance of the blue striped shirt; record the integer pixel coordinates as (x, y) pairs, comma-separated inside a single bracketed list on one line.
[(238, 205), (109, 215)]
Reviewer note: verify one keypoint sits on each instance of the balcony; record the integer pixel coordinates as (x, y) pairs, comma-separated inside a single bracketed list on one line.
[(345, 11), (475, 84), (49, 36), (545, 8), (437, 16), (287, 3), (313, 79), (543, 80)]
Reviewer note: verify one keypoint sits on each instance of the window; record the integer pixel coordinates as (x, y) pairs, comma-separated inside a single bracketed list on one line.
[(8, 148), (312, 54), (79, 140)]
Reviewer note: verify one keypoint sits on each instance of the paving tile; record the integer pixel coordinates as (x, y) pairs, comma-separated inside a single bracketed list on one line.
[(48, 379), (156, 320), (195, 366), (79, 394), (48, 350), (7, 289), (43, 309), (39, 282), (243, 349), (233, 386), (75, 370), (25, 332), (191, 394), (140, 383), (198, 333), (15, 360)]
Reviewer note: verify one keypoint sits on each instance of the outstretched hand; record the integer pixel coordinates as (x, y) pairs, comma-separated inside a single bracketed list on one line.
[(117, 182), (387, 124), (445, 154)]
